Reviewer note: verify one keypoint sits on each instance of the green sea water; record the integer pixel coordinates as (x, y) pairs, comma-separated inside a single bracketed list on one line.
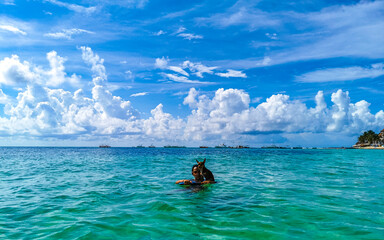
[(129, 193)]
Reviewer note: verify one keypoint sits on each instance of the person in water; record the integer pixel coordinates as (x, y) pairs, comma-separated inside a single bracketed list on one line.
[(199, 179)]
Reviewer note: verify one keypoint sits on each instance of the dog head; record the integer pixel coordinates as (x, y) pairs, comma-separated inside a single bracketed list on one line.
[(201, 165)]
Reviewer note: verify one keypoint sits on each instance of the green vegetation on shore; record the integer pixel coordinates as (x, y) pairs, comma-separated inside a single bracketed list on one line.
[(370, 139)]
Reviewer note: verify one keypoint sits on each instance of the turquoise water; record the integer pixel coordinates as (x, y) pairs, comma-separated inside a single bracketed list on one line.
[(128, 193)]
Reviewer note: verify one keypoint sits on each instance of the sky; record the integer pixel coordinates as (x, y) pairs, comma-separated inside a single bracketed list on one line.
[(132, 72)]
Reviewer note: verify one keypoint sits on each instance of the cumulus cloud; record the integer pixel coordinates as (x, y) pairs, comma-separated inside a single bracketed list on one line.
[(228, 113), (67, 33), (342, 74), (97, 63), (232, 73), (57, 74), (12, 29), (13, 72), (163, 125), (41, 111)]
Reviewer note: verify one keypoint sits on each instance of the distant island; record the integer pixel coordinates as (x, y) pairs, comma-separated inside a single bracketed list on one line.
[(170, 146), (370, 140), (104, 146)]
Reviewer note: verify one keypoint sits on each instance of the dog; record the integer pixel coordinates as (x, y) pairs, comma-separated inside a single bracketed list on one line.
[(204, 171)]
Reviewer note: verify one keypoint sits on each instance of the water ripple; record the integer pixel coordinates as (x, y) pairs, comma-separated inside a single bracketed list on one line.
[(90, 193)]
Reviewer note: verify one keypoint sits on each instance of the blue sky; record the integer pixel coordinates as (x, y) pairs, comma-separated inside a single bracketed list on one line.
[(82, 73)]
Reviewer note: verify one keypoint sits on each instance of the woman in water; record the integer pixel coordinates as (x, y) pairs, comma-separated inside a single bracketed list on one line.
[(199, 179)]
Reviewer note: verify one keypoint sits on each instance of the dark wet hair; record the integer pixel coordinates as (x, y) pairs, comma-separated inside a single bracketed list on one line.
[(194, 166)]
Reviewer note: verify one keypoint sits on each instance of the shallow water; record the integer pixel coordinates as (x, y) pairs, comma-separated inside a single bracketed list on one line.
[(129, 193)]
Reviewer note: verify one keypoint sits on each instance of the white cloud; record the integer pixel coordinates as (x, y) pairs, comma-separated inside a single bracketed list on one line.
[(197, 68), (162, 125), (8, 2), (74, 7), (182, 79), (4, 99), (159, 33), (253, 19), (256, 100), (180, 30), (319, 34), (57, 74), (139, 94), (97, 63), (342, 74), (13, 72), (178, 70), (265, 62), (41, 112), (161, 63), (272, 36), (67, 33), (232, 73), (228, 113), (190, 36), (12, 29)]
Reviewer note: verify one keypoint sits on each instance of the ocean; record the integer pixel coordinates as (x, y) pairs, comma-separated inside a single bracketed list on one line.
[(130, 193)]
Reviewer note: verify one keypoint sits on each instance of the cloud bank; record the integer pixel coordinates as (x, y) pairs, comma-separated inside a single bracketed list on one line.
[(42, 109)]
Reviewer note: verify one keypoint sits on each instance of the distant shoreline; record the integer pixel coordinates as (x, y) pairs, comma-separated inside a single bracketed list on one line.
[(370, 147), (265, 148)]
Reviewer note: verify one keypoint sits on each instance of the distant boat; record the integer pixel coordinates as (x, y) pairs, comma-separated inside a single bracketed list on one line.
[(169, 146), (104, 146), (204, 147), (151, 146), (221, 146), (140, 146), (240, 147)]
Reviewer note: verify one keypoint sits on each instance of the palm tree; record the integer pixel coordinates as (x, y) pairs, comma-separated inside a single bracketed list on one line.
[(369, 137)]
